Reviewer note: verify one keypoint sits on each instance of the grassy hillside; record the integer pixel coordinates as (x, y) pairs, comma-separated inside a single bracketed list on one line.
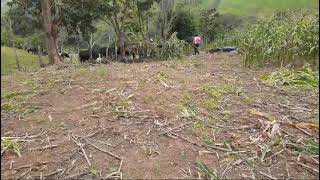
[(28, 61), (259, 7)]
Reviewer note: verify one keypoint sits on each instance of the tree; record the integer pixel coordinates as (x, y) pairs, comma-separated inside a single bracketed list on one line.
[(120, 14), (50, 23), (75, 15), (166, 17), (210, 24), (143, 14), (184, 26), (46, 13), (79, 17)]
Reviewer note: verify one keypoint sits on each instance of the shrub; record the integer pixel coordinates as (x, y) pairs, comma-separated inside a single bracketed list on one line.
[(173, 48)]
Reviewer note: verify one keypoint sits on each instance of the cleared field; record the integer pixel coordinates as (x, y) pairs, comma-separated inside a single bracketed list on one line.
[(204, 117)]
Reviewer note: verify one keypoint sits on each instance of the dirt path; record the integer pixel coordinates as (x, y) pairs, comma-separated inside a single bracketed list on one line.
[(157, 120)]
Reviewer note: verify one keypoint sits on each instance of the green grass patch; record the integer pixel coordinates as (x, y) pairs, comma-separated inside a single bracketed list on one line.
[(263, 7), (189, 109), (17, 102), (29, 62), (310, 146), (216, 94), (6, 95), (163, 76)]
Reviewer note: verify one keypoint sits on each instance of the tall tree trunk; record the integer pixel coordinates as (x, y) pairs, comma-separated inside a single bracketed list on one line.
[(122, 46), (115, 49), (107, 49), (51, 32), (90, 51), (91, 44), (78, 49), (39, 56)]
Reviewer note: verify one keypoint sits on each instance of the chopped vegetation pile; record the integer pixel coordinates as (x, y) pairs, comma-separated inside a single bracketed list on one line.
[(302, 77)]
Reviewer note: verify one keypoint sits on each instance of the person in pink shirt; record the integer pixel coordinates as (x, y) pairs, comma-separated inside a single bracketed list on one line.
[(196, 43)]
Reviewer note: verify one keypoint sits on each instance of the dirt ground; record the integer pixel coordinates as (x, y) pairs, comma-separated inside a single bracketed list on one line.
[(197, 118)]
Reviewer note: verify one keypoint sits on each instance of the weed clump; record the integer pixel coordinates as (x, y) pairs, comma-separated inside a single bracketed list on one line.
[(302, 77), (9, 145), (216, 95)]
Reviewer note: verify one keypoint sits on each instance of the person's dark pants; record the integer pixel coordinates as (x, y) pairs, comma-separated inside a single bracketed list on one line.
[(196, 49)]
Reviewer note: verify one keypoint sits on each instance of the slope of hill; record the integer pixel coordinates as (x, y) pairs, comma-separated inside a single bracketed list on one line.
[(258, 7)]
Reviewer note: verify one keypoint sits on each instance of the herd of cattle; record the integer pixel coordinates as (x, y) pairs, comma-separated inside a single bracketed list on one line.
[(132, 53)]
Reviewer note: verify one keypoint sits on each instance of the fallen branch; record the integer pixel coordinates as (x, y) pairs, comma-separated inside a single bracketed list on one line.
[(101, 142), (73, 163), (4, 149), (43, 148), (194, 143), (120, 166), (304, 131), (267, 175), (50, 174), (241, 127), (30, 165), (111, 174), (23, 174), (26, 136), (94, 133), (307, 167), (219, 148), (11, 163), (163, 83), (174, 128), (105, 151), (287, 133), (83, 151), (228, 168), (77, 175), (85, 156), (116, 172), (275, 154), (225, 170)]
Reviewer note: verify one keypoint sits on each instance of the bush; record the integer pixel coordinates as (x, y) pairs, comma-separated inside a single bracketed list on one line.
[(5, 37), (184, 26), (173, 48)]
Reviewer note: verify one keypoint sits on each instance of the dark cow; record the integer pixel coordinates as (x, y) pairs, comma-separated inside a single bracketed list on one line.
[(32, 50), (64, 55), (224, 49), (85, 55), (215, 50), (229, 49)]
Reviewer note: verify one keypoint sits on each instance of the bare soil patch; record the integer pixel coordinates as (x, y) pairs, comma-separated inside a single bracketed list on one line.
[(158, 120)]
